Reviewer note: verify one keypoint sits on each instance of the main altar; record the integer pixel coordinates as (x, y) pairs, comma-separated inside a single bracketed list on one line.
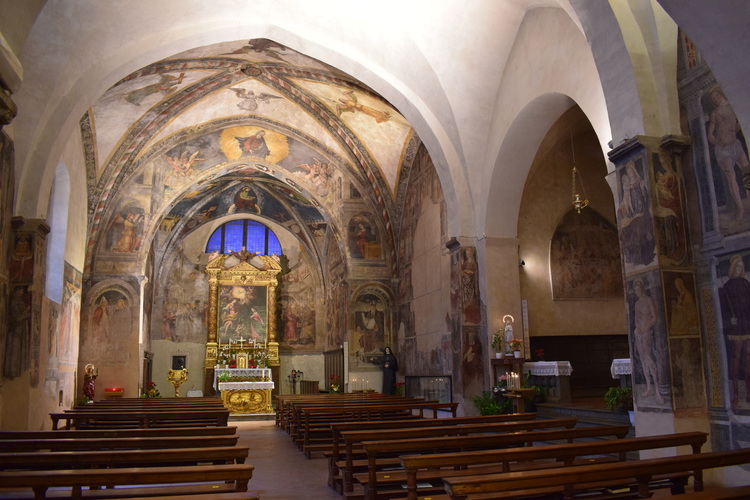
[(245, 390), (242, 351)]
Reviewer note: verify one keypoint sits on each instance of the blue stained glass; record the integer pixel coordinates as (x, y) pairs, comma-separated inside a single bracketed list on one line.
[(214, 242), (233, 236), (255, 236), (274, 247)]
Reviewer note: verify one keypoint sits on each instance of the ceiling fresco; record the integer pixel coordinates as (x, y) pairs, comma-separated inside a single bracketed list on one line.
[(244, 127)]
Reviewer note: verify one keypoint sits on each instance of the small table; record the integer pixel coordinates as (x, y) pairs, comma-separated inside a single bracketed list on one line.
[(518, 397), (554, 376), (621, 368), (195, 393)]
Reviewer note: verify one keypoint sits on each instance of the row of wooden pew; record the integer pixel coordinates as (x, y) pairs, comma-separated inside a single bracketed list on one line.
[(139, 412), (389, 454), (127, 449)]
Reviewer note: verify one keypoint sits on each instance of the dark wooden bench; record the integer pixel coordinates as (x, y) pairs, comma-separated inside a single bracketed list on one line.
[(364, 413), (434, 468), (292, 412), (113, 433), (122, 458), (376, 450), (120, 481), (132, 443), (350, 465), (335, 455), (609, 476), (113, 418), (285, 403)]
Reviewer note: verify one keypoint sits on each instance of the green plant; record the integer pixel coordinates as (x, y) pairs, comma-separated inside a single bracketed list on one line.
[(223, 377), (83, 400), (497, 340), (619, 398), (487, 404)]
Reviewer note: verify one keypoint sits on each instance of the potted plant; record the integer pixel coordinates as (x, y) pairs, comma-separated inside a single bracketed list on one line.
[(515, 345), (497, 343), (621, 399), (486, 403)]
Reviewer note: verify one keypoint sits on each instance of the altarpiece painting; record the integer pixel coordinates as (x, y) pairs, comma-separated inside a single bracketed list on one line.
[(242, 313)]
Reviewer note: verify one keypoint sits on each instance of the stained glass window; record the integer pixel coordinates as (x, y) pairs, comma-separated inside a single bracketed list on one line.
[(232, 236)]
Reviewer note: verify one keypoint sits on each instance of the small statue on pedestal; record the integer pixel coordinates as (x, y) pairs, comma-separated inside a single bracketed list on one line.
[(508, 320), (89, 381)]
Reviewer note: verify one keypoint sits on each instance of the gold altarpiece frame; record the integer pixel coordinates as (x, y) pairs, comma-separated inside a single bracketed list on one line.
[(242, 313)]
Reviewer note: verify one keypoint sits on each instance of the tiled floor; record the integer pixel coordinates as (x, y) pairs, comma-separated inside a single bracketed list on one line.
[(281, 471)]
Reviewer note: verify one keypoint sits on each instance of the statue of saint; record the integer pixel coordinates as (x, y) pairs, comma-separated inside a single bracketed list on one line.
[(508, 319), (89, 381)]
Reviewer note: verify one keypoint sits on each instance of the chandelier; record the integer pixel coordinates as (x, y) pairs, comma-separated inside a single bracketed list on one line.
[(580, 201)]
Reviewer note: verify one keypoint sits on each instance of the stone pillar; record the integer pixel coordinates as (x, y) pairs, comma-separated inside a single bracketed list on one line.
[(469, 359), (660, 283), (26, 273)]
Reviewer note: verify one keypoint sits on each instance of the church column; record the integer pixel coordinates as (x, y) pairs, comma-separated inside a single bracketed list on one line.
[(21, 352), (470, 352), (660, 283)]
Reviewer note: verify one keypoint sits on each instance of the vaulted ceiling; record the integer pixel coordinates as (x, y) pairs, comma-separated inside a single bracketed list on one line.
[(174, 143)]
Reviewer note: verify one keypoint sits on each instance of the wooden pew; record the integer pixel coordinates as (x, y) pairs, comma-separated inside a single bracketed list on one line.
[(568, 480), (374, 412), (436, 467), (193, 479), (294, 417), (112, 418), (113, 433), (122, 458), (354, 438), (148, 403), (126, 443), (375, 450), (285, 402), (292, 407), (335, 455)]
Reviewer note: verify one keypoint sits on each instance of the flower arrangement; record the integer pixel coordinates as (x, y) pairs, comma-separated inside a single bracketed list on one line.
[(502, 381), (400, 388), (515, 344), (150, 391), (539, 354), (223, 377), (232, 363), (335, 382)]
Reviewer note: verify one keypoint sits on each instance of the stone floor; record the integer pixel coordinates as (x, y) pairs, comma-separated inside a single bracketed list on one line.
[(281, 471)]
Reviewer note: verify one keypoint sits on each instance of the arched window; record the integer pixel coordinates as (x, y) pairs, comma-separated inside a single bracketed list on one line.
[(253, 235), (57, 218)]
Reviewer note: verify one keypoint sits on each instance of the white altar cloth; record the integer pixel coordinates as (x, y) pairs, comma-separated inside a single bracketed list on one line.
[(549, 368), (620, 367), (261, 374), (234, 386)]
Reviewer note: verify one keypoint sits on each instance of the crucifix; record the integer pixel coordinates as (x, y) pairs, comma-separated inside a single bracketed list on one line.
[(241, 340)]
